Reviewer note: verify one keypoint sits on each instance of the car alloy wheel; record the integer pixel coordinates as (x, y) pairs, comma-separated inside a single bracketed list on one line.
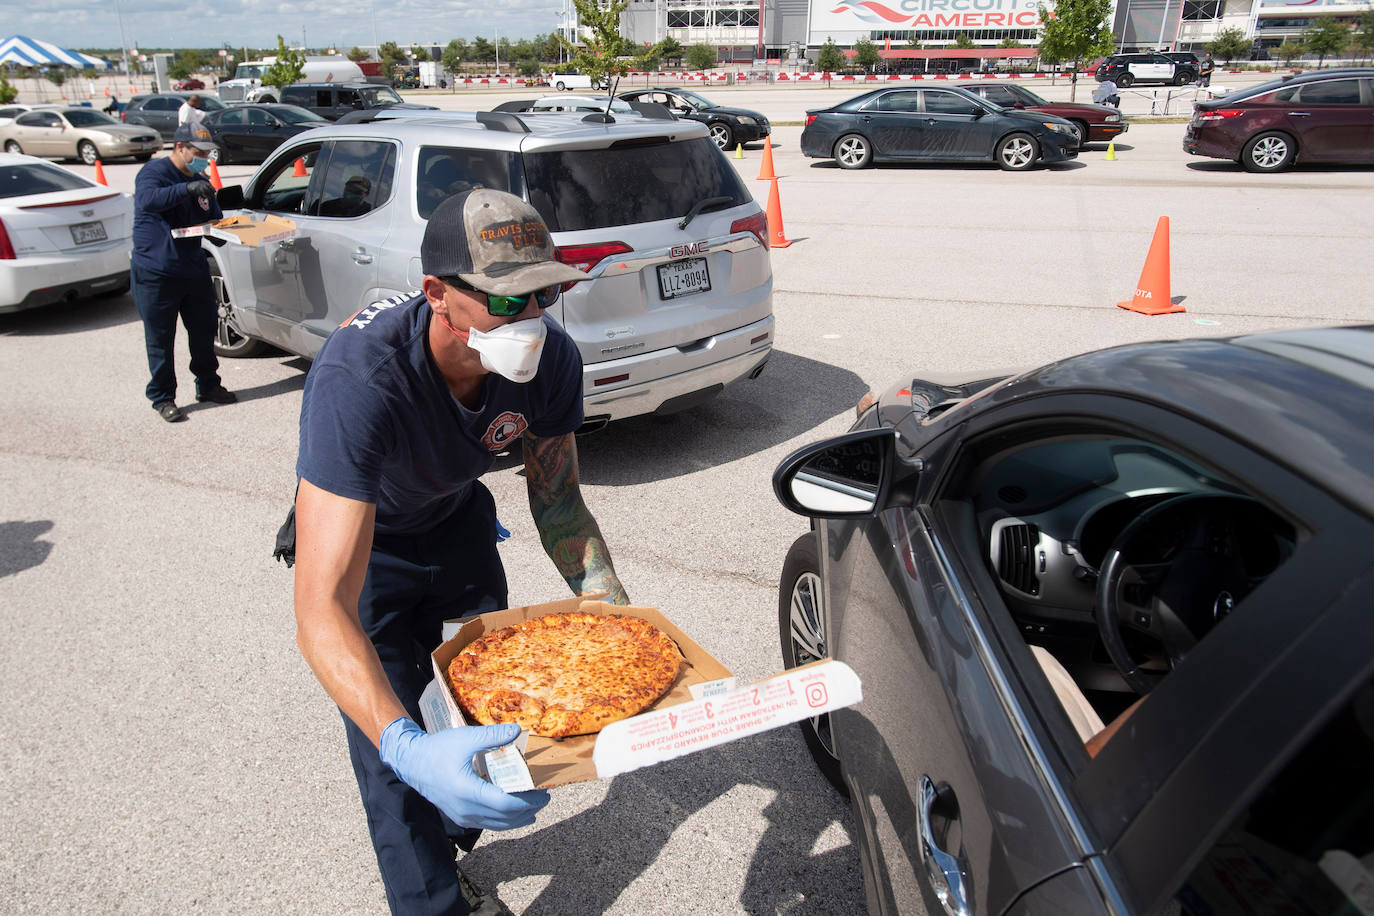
[(216, 154), (1271, 152), (87, 152), (724, 137), (13, 147), (1125, 81), (228, 340), (801, 628), (853, 152), (1017, 152)]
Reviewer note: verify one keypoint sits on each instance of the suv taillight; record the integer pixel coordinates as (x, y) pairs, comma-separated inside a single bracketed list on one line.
[(1220, 114), (6, 247), (757, 224), (585, 257)]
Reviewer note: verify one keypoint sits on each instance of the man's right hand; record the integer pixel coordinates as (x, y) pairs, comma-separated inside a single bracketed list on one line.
[(439, 767), (200, 188)]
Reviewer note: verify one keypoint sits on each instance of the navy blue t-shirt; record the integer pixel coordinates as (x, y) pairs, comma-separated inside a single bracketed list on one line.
[(379, 424), (161, 204)]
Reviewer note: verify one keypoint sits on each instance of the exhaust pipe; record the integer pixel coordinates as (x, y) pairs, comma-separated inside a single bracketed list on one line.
[(593, 425)]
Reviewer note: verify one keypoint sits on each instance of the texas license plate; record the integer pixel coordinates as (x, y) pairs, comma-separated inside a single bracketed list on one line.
[(85, 233), (682, 278)]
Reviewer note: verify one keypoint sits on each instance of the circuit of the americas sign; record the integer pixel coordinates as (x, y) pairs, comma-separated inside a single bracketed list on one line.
[(850, 17)]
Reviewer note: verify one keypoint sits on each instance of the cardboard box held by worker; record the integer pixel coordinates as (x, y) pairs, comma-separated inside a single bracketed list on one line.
[(703, 708), (252, 231)]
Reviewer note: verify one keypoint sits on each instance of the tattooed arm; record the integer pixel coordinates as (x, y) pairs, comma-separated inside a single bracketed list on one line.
[(570, 535)]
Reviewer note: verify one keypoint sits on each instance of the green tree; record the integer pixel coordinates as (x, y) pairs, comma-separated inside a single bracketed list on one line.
[(1326, 38), (701, 57), (289, 68), (184, 64), (56, 75), (1363, 38), (866, 54), (522, 50), (1289, 50), (528, 66), (453, 59), (507, 53), (358, 55), (1075, 31), (419, 53), (1229, 44), (670, 49), (482, 50), (549, 47), (964, 41), (8, 93), (1010, 43), (597, 55), (829, 58), (391, 56)]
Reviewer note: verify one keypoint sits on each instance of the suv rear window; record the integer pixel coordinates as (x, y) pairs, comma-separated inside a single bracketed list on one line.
[(632, 181)]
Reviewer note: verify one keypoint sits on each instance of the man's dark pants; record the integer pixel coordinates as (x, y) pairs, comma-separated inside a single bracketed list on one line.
[(160, 300), (414, 584)]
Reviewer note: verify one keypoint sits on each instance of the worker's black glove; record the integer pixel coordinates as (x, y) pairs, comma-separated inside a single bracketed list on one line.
[(200, 188)]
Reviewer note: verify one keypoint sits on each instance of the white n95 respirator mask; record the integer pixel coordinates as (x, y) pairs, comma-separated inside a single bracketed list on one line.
[(512, 350)]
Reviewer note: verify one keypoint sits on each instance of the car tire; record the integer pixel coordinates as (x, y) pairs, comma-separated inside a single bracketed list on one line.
[(13, 146), (560, 85), (1017, 152), (801, 629), (1081, 128), (87, 153), (266, 100), (143, 157), (723, 136), (853, 151), (1183, 78), (219, 155), (1126, 81), (229, 341), (1270, 151)]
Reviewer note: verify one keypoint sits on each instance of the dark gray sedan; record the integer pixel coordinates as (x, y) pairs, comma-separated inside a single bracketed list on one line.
[(248, 133), (1113, 623), (944, 124)]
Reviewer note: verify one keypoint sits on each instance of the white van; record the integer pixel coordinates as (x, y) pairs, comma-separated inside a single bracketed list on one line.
[(246, 86)]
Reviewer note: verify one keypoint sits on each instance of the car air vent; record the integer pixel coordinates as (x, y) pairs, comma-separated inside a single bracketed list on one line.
[(1011, 495), (1016, 558)]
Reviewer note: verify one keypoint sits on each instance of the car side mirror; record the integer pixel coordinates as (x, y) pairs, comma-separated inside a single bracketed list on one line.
[(230, 197), (978, 113), (1020, 105), (848, 476)]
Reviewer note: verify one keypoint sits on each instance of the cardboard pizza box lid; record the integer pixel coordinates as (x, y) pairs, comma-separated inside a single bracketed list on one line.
[(243, 229), (703, 707)]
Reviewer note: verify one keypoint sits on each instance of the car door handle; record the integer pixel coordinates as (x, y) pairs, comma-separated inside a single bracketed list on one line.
[(946, 871), (361, 257), (930, 121), (1299, 114)]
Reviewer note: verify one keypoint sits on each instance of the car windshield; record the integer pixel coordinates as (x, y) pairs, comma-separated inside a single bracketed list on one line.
[(79, 118), (37, 178), (651, 180), (249, 71), (381, 95), (210, 103), (292, 115), (1029, 97), (696, 101)]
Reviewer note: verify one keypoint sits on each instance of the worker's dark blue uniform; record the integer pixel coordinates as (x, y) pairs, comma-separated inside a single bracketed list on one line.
[(379, 425), (171, 277)]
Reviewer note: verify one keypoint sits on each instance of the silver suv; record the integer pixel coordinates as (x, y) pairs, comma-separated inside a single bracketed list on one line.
[(679, 300)]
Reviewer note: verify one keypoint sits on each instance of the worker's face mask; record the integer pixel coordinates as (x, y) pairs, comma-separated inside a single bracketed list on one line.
[(510, 350), (198, 164)]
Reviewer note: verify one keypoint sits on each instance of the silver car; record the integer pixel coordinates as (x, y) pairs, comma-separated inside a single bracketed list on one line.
[(679, 297)]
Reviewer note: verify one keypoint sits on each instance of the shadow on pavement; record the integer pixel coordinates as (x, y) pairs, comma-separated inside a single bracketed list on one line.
[(90, 314), (595, 855), (20, 548), (794, 394)]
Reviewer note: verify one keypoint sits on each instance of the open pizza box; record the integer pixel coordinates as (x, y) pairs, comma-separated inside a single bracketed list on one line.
[(703, 708), (244, 229)]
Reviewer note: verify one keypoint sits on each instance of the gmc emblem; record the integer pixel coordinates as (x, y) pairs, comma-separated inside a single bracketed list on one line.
[(682, 251)]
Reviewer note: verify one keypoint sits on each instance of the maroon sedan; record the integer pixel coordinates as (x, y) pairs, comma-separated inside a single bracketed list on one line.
[(1320, 116), (1093, 122)]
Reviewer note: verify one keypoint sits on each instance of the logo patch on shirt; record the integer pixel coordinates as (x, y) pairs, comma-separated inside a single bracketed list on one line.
[(504, 430)]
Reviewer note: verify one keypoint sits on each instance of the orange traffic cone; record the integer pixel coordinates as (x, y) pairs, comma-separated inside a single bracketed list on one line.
[(100, 174), (300, 169), (776, 237), (214, 176), (766, 170), (1152, 292)]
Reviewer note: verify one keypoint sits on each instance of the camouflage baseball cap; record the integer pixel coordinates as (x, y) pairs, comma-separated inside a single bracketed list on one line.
[(493, 241)]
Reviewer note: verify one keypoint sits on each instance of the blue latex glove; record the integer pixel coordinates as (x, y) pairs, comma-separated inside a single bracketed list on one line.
[(439, 767)]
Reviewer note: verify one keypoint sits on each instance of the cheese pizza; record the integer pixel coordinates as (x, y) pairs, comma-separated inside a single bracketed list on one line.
[(564, 674)]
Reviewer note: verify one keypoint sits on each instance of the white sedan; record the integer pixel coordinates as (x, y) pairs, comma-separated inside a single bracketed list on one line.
[(61, 236)]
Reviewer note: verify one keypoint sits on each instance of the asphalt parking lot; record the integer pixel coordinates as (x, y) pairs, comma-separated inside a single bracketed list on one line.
[(164, 748)]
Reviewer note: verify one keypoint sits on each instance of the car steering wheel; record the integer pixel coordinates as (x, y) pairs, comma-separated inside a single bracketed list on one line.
[(1172, 574)]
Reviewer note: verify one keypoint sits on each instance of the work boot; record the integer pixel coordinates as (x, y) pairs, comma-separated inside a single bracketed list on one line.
[(169, 411), (220, 395), (479, 903)]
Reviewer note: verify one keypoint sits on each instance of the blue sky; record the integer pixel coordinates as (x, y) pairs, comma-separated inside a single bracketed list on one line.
[(215, 23)]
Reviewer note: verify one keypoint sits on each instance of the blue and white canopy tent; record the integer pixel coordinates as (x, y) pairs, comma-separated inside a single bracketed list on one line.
[(34, 52)]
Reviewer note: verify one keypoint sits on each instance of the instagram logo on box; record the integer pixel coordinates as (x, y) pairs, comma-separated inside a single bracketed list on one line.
[(816, 695)]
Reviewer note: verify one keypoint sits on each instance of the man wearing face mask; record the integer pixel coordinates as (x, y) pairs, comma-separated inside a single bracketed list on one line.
[(404, 408), (170, 277)]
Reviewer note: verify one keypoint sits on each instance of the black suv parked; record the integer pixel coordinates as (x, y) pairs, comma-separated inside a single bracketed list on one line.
[(1129, 69), (158, 110), (334, 100)]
